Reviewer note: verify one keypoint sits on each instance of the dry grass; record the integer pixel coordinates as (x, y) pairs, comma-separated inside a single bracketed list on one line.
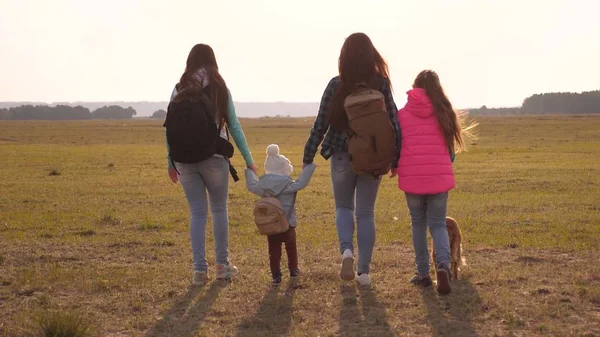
[(108, 237), (58, 324)]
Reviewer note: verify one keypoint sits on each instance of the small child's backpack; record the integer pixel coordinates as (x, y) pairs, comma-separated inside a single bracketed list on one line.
[(370, 133), (269, 216)]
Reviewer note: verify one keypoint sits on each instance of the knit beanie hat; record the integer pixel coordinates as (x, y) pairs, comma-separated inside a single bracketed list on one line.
[(276, 163)]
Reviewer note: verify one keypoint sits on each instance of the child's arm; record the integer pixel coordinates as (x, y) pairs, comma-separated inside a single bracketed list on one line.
[(303, 179), (252, 183)]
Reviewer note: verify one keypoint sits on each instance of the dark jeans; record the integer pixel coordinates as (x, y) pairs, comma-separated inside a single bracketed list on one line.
[(275, 241)]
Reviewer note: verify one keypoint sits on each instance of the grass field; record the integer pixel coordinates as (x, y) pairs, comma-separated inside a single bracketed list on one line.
[(90, 224)]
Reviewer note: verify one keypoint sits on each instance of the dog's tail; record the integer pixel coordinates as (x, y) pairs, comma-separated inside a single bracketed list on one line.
[(463, 260)]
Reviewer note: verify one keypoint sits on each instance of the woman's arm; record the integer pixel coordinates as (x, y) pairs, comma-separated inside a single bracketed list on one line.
[(237, 133), (321, 124), (169, 161)]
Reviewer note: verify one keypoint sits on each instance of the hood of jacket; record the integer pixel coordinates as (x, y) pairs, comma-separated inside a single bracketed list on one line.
[(418, 103), (274, 184)]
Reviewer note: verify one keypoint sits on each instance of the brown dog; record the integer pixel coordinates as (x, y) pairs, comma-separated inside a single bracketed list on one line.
[(455, 236)]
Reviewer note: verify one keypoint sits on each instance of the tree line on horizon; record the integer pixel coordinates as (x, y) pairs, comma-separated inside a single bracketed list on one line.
[(587, 102), (65, 112)]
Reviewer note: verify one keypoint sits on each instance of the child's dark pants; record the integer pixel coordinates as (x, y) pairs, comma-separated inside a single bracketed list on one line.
[(275, 241)]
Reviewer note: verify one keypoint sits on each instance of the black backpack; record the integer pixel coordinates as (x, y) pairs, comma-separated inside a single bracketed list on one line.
[(192, 131)]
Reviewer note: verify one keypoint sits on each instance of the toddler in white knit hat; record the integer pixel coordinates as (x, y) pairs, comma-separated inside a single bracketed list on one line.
[(278, 183), (277, 163)]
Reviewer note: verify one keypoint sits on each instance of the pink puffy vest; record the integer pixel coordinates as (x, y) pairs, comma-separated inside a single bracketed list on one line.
[(424, 166)]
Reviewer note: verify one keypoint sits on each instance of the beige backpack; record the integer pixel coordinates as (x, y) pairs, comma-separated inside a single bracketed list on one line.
[(371, 141), (269, 216)]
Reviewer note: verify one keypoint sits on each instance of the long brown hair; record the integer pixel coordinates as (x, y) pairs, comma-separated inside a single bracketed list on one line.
[(359, 62), (202, 56), (454, 125)]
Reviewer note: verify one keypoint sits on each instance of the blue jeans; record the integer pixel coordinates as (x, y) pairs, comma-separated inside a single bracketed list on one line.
[(429, 210), (212, 176), (346, 184)]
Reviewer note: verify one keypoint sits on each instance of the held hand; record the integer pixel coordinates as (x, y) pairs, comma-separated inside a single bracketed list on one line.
[(173, 175), (393, 173), (304, 165), (254, 168)]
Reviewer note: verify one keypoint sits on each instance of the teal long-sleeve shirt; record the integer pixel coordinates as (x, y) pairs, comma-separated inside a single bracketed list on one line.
[(235, 128)]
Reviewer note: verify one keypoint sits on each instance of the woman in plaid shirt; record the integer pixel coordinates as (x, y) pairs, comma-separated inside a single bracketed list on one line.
[(359, 61)]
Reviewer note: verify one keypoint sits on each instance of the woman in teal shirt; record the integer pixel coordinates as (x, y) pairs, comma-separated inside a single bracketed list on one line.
[(207, 182)]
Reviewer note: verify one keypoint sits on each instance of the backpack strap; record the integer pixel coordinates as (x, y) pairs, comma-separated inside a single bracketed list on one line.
[(227, 131), (232, 170)]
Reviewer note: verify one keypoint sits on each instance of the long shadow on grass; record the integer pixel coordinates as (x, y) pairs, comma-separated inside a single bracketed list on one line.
[(370, 320), (184, 318), (273, 317), (452, 315)]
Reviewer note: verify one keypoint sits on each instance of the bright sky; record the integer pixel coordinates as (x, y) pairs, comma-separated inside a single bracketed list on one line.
[(486, 51)]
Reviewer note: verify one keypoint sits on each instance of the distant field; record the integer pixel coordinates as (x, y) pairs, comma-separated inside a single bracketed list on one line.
[(90, 223)]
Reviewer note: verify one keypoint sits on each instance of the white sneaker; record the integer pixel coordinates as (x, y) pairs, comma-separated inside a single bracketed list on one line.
[(347, 268), (364, 280), (226, 272)]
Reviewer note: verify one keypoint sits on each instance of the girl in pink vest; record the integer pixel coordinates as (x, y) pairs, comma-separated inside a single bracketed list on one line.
[(431, 135)]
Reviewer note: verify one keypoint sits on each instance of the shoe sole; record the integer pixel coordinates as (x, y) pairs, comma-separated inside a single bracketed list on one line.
[(229, 276), (443, 282), (416, 284), (347, 270), (226, 277), (364, 284)]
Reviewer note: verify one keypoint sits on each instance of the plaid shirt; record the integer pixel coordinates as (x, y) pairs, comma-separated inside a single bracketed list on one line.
[(336, 141)]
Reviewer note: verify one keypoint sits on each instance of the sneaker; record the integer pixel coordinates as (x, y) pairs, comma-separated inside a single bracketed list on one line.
[(443, 280), (295, 273), (424, 282), (364, 279), (276, 280), (226, 272), (347, 268), (200, 278)]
